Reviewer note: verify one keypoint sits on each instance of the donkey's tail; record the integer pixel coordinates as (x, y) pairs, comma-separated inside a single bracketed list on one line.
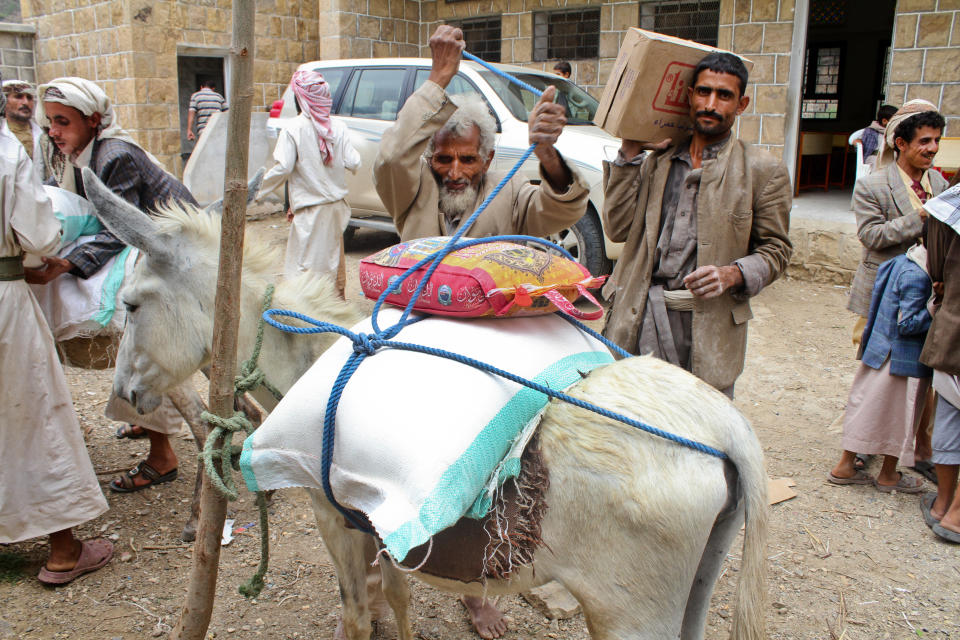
[(748, 619)]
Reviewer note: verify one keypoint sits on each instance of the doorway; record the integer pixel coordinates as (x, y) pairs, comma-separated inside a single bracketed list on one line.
[(844, 79), (191, 71)]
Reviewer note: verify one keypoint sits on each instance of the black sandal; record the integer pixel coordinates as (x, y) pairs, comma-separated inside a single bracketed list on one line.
[(125, 484), (926, 469)]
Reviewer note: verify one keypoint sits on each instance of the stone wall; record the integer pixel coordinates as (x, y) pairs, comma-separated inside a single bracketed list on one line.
[(926, 56), (517, 32), (129, 48), (17, 58), (372, 28), (761, 30)]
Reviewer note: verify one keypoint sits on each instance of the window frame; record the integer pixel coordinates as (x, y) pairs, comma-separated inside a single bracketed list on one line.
[(648, 16), (545, 55), (808, 88), (459, 23)]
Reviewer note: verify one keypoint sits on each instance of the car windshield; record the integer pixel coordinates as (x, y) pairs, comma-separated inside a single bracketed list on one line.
[(580, 105)]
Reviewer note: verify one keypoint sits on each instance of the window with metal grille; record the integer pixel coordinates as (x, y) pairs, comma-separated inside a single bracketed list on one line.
[(821, 82), (695, 20), (566, 35), (482, 36)]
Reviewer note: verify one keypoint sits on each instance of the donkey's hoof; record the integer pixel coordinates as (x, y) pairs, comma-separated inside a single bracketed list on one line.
[(189, 532)]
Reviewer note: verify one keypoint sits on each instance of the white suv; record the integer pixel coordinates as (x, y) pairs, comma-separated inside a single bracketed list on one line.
[(368, 93)]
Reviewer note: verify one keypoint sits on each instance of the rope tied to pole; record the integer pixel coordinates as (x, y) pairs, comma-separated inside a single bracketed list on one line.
[(228, 453)]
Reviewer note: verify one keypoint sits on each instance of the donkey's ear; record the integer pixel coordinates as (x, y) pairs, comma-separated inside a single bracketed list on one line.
[(124, 220), (253, 188)]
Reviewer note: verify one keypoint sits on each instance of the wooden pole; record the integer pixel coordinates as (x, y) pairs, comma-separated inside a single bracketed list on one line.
[(198, 604)]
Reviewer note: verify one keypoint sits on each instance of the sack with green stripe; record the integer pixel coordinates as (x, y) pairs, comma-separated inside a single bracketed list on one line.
[(421, 441)]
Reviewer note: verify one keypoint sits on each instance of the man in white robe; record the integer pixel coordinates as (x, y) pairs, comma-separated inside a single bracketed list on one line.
[(47, 483)]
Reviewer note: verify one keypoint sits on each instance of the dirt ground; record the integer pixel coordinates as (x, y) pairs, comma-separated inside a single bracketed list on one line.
[(844, 562)]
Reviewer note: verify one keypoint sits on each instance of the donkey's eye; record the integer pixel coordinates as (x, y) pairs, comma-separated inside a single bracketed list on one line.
[(131, 307)]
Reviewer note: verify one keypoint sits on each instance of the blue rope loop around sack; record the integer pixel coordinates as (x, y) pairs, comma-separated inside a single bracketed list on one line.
[(365, 345)]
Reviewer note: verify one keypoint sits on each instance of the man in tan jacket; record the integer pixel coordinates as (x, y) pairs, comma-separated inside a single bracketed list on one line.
[(705, 224), (431, 173), (431, 170)]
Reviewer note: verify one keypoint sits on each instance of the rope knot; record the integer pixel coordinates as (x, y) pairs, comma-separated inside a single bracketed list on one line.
[(362, 344)]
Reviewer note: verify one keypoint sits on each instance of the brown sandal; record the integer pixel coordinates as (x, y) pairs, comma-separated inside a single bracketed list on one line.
[(125, 484)]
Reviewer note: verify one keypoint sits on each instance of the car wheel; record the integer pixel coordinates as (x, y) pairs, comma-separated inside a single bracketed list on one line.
[(584, 241)]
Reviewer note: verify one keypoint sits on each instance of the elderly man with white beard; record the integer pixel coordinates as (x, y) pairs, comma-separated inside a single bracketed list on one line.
[(431, 173), (431, 170)]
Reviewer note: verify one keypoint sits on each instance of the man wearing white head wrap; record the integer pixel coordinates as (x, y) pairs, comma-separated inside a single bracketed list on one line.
[(84, 130), (888, 202)]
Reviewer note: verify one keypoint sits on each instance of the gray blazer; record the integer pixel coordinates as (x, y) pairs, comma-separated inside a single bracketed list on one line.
[(887, 225)]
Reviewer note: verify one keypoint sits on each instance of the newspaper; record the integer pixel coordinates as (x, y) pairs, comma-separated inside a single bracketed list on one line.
[(946, 207)]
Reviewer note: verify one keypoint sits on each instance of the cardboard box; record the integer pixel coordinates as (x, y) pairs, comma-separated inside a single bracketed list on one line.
[(646, 95)]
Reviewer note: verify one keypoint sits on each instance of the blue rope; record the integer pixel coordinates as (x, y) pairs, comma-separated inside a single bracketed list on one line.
[(365, 345)]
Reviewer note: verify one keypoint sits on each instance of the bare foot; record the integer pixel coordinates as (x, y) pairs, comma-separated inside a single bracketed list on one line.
[(486, 618)]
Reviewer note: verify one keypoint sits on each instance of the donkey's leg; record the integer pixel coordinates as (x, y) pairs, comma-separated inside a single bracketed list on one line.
[(627, 542), (190, 405), (397, 591), (724, 531), (346, 548)]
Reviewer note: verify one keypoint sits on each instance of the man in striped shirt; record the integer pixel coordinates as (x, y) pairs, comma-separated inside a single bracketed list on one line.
[(203, 104)]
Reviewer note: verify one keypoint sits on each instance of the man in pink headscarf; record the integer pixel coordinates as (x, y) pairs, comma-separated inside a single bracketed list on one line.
[(311, 155)]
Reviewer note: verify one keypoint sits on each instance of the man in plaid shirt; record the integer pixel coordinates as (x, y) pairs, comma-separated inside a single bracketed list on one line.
[(83, 128)]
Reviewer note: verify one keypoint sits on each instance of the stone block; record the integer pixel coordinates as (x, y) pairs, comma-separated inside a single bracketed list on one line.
[(783, 69), (8, 41), (906, 66), (724, 37), (949, 5), (934, 29), (428, 10), (116, 66), (742, 11), (510, 27), (526, 25), (763, 69), (950, 100), (787, 10), (85, 20), (771, 130), (219, 20), (747, 38), (953, 127), (777, 37), (905, 31), (116, 14), (726, 12), (379, 8), (771, 99), (381, 49), (411, 10), (764, 11), (941, 65), (522, 50), (143, 64), (929, 92), (609, 44), (368, 27), (348, 24), (587, 72), (553, 601), (295, 51), (749, 129), (625, 16), (910, 6)]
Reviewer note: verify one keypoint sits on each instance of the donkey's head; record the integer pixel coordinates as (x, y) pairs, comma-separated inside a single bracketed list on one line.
[(169, 298)]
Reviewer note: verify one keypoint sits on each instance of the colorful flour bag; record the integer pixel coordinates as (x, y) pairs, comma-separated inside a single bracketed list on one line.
[(492, 279)]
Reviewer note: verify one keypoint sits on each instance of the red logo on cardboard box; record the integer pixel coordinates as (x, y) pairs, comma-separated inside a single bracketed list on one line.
[(672, 92)]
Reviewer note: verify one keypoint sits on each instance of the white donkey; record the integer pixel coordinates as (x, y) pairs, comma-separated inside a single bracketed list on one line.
[(637, 528)]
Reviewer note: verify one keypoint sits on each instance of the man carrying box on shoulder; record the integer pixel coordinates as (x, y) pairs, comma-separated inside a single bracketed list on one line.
[(705, 224)]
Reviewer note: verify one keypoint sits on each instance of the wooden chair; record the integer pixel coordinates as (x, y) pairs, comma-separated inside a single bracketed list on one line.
[(814, 144)]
